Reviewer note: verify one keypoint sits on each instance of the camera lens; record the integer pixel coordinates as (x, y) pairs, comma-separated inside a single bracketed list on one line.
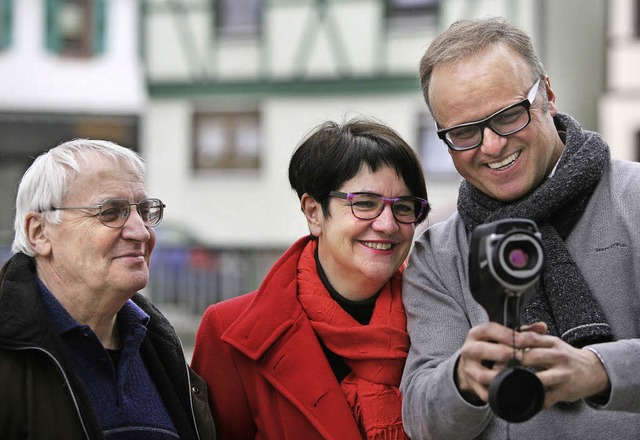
[(520, 254), (517, 258), (516, 394)]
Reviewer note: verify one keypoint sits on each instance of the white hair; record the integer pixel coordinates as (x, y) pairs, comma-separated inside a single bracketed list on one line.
[(45, 183)]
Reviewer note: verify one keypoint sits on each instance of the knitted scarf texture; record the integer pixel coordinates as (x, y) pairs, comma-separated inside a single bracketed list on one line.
[(563, 298), (376, 352)]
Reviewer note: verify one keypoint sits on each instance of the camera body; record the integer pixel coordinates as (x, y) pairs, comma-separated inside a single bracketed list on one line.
[(505, 261)]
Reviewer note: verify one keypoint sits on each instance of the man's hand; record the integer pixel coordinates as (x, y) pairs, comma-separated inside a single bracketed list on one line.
[(567, 373), (484, 354)]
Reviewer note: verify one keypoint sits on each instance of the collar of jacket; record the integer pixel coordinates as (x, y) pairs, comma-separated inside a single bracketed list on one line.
[(21, 308), (261, 325), (275, 333)]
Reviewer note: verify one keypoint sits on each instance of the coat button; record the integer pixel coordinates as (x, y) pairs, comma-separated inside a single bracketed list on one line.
[(195, 390)]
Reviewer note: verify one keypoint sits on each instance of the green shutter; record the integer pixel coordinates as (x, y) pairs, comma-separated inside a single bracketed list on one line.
[(52, 38), (6, 22), (99, 39)]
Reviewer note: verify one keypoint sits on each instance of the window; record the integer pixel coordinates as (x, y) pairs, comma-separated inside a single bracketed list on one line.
[(76, 27), (6, 7), (434, 154), (228, 140), (238, 17), (402, 13), (636, 19)]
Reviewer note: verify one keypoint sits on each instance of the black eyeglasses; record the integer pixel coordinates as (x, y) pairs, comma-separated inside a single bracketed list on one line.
[(504, 122), (367, 206), (113, 213)]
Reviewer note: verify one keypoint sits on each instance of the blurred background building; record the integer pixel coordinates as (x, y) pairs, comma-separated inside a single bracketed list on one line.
[(216, 94), (68, 68)]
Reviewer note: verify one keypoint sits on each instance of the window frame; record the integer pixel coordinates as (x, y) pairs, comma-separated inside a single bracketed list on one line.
[(426, 131), (412, 17), (232, 30), (94, 37), (636, 19), (231, 157), (394, 10)]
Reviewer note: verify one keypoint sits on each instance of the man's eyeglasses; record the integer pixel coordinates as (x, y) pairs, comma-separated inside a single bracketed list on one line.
[(367, 206), (504, 122), (114, 213)]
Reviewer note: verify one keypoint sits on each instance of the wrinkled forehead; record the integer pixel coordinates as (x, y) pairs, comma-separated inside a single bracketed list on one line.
[(98, 173), (102, 165)]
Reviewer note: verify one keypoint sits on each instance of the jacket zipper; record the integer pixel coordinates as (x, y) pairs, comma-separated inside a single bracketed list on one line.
[(193, 412), (66, 380)]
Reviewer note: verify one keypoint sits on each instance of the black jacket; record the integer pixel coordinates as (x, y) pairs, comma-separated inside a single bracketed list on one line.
[(40, 395)]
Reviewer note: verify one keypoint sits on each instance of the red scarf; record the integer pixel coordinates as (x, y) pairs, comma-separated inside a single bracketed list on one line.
[(376, 352)]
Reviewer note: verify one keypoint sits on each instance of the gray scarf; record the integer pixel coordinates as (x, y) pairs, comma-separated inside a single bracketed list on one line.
[(563, 298)]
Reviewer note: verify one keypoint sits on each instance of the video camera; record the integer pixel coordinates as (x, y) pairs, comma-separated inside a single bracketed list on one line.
[(505, 261)]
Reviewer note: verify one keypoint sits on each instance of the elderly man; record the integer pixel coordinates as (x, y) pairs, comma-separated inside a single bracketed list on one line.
[(520, 157), (82, 354)]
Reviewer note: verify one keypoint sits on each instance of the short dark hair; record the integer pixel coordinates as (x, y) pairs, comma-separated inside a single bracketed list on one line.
[(334, 153)]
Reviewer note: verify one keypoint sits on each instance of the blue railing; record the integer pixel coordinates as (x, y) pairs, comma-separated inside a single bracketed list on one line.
[(5, 254), (193, 278)]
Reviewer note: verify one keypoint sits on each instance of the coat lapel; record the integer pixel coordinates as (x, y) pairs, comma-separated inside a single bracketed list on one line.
[(276, 334)]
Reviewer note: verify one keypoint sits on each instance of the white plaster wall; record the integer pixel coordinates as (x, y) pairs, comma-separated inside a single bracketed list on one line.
[(624, 63), (620, 23), (181, 47), (35, 80), (620, 123)]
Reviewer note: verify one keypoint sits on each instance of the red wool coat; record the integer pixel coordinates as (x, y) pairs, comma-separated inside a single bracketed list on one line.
[(267, 374)]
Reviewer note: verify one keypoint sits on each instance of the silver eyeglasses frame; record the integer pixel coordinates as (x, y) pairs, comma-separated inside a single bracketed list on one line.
[(123, 212)]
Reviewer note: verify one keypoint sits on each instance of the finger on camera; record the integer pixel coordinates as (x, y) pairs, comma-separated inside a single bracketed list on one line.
[(537, 327), (473, 380), (486, 353), (533, 339), (493, 332)]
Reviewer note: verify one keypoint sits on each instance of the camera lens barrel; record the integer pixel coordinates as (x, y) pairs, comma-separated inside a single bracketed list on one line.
[(516, 394)]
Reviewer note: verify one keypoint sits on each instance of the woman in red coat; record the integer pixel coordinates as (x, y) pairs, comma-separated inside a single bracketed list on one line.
[(317, 352)]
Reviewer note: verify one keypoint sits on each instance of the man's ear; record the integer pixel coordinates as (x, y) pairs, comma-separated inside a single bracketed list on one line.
[(313, 212), (551, 96), (36, 235)]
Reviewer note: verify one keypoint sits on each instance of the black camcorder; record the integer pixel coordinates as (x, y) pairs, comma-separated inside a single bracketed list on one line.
[(505, 261)]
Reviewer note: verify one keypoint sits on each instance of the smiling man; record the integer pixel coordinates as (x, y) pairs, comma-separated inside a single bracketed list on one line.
[(82, 354), (520, 157)]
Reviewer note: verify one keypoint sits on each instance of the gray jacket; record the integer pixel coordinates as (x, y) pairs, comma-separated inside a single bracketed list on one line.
[(605, 244)]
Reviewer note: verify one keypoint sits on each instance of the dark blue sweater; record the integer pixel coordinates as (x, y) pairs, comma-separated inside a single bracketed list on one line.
[(118, 383)]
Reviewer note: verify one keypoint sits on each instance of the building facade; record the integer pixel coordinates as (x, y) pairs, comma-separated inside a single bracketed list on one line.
[(68, 69), (235, 85)]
